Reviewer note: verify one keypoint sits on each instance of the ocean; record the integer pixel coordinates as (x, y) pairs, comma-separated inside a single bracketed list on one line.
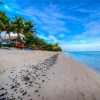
[(89, 58)]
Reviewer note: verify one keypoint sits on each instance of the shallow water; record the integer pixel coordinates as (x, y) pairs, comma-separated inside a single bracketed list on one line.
[(89, 58)]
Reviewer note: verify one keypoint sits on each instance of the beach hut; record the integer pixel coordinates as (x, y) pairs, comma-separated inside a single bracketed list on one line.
[(14, 40)]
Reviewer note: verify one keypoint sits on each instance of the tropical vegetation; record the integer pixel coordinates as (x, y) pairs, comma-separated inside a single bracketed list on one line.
[(20, 26), (1, 3)]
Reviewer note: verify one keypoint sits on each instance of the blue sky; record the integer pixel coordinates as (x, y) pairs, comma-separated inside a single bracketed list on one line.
[(74, 24)]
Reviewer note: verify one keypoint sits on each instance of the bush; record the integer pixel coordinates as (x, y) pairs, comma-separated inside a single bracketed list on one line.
[(0, 44), (39, 44), (56, 47), (47, 47), (7, 45)]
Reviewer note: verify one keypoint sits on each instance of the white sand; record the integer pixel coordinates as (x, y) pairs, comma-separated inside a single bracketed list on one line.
[(66, 80), (18, 58)]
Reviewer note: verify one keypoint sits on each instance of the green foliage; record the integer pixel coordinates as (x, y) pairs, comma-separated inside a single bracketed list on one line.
[(4, 20), (56, 47), (23, 27), (8, 45), (29, 28), (20, 26), (38, 43), (1, 3), (48, 47), (0, 44), (30, 41)]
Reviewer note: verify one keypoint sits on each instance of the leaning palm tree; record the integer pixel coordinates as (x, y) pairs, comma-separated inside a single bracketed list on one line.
[(1, 3), (6, 24), (29, 29), (3, 21), (18, 24), (9, 28), (23, 27), (1, 29)]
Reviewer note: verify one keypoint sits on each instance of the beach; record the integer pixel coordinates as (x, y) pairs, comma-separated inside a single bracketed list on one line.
[(90, 58), (44, 75)]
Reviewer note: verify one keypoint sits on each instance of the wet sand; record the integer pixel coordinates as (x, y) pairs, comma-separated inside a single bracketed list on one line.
[(42, 75)]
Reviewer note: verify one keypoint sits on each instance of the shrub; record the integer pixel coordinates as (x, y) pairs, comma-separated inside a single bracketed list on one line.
[(56, 47), (39, 44), (0, 44)]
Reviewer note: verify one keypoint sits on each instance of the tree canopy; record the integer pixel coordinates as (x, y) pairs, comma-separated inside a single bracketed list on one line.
[(21, 26)]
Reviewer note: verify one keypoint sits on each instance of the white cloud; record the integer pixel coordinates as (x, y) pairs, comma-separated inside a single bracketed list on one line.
[(53, 39), (54, 29), (62, 35), (81, 44), (50, 18), (43, 37), (81, 47), (94, 15), (75, 45), (7, 7), (84, 10), (92, 29), (50, 38), (91, 35), (48, 14)]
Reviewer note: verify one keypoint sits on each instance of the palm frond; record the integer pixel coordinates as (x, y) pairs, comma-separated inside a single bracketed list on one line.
[(1, 3)]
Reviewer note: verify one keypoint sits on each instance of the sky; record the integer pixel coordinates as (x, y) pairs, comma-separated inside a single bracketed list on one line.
[(74, 24)]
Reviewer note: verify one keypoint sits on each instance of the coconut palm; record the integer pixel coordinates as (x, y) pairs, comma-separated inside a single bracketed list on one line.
[(9, 28), (3, 21), (18, 24), (29, 29), (1, 29), (1, 3), (23, 27), (5, 24)]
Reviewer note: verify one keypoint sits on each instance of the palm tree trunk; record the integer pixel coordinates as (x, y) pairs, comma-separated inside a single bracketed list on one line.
[(5, 34), (17, 37), (9, 38), (0, 37), (19, 40), (1, 3)]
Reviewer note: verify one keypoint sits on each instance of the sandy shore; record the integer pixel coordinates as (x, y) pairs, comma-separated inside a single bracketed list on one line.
[(42, 75)]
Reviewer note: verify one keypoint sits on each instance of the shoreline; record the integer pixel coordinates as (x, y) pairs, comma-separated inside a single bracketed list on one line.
[(85, 63), (44, 75)]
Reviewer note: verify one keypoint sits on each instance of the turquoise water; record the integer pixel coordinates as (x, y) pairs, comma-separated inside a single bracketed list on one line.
[(89, 58)]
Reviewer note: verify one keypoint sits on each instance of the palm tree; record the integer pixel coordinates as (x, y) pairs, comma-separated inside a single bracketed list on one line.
[(3, 21), (1, 29), (9, 28), (23, 27), (5, 24), (1, 3), (29, 28), (1, 24), (18, 24)]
